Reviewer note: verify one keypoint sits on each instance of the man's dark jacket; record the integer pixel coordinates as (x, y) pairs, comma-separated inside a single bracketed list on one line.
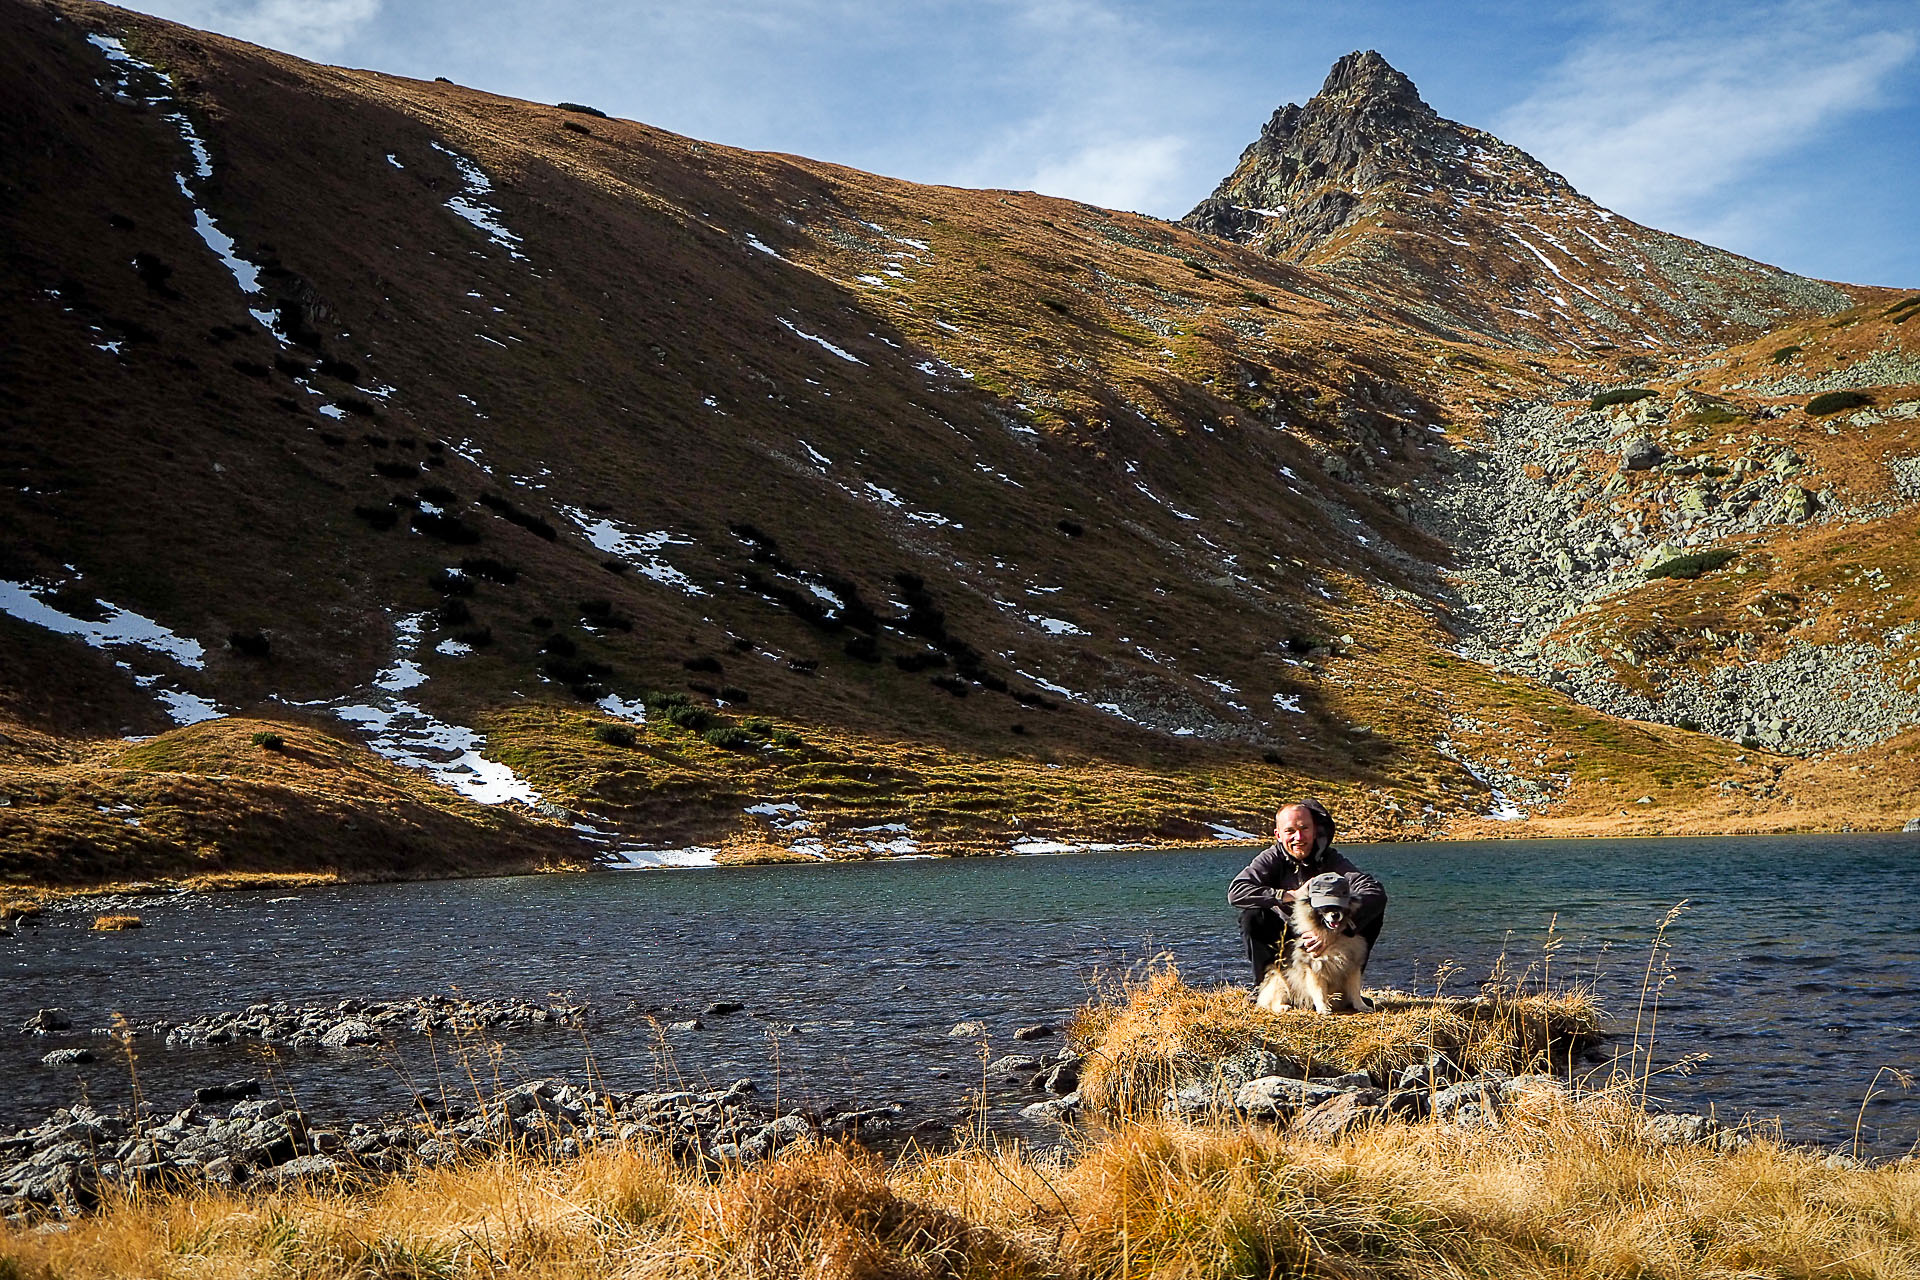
[(1274, 871)]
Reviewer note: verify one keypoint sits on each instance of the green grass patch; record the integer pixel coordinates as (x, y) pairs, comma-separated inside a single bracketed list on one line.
[(1693, 564), (1837, 402), (1624, 395), (1785, 354)]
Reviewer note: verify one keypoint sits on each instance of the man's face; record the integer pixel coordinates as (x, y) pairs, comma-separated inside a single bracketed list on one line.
[(1293, 829)]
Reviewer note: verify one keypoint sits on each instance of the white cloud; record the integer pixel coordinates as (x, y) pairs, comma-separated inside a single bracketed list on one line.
[(1654, 113), (1125, 173), (306, 28)]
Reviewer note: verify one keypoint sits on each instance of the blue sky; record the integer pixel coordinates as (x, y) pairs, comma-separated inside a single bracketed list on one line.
[(1788, 130)]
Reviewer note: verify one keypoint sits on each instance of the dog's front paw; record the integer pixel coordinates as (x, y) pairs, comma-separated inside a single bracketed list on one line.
[(1362, 1005)]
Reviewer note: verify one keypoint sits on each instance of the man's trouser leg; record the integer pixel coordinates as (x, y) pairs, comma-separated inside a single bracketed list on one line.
[(1264, 931)]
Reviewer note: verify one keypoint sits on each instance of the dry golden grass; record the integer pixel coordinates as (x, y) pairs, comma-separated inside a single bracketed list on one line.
[(1561, 1192), (1162, 1033), (115, 923)]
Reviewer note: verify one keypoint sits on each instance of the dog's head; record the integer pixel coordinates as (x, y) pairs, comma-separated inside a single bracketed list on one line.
[(1331, 898)]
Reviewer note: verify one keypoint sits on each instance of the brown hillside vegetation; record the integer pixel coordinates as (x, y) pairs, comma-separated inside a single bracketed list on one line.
[(1002, 515)]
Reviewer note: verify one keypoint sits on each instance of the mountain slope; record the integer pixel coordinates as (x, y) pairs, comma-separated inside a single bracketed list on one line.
[(648, 491), (1369, 182)]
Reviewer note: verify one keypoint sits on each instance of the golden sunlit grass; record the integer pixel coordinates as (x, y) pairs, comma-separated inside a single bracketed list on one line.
[(1563, 1191), (115, 923)]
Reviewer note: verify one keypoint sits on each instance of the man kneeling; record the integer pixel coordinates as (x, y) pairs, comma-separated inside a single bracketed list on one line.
[(1304, 906)]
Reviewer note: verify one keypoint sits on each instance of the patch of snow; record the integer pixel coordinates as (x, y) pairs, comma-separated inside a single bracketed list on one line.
[(1223, 832), (754, 242), (471, 204), (120, 627), (819, 457), (1055, 626), (636, 858), (634, 711), (187, 708), (887, 496), (641, 550), (1289, 702), (394, 161), (798, 332), (452, 648)]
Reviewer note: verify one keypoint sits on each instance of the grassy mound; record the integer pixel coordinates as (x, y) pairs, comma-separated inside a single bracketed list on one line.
[(1163, 1033)]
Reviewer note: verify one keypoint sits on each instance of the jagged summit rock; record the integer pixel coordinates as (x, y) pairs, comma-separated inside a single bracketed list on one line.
[(1477, 235)]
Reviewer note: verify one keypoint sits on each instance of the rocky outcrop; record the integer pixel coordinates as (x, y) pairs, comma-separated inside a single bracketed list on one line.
[(1557, 511), (360, 1022)]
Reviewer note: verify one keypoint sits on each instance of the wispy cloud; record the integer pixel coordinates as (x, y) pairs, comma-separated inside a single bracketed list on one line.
[(309, 28), (1663, 109)]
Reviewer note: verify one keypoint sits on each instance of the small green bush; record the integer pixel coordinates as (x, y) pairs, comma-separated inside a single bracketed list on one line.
[(1905, 304), (1693, 564), (1625, 395), (757, 725), (698, 719), (658, 700), (1837, 402), (788, 738), (269, 741), (730, 737), (581, 108), (614, 735), (1785, 354), (1716, 416)]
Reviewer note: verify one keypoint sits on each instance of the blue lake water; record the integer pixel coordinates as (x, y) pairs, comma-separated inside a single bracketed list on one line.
[(1795, 968)]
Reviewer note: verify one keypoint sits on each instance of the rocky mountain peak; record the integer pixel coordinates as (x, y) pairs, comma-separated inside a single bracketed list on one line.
[(1474, 234)]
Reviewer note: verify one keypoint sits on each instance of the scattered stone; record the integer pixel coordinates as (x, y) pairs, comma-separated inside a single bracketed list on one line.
[(1913, 824), (46, 1021), (67, 1058), (968, 1029), (719, 1007), (352, 1032), (232, 1091), (1064, 1078), (1013, 1064), (689, 1024), (1338, 1115), (1277, 1097), (311, 1025), (1039, 1031), (1640, 453), (1682, 1128), (1060, 1110)]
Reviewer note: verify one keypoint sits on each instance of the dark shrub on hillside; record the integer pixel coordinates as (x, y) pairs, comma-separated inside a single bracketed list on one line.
[(660, 699), (1033, 700), (803, 666), (614, 566), (689, 717), (332, 441), (1837, 402), (378, 517), (578, 674), (507, 511), (375, 442), (475, 637), (1054, 305), (1693, 564), (581, 108), (1785, 354), (574, 126), (730, 738), (919, 661), (270, 741), (490, 569), (249, 645), (449, 583), (559, 644), (1904, 305), (396, 470), (1625, 395), (252, 368), (453, 612), (1072, 528), (758, 725), (735, 694), (614, 735), (952, 684), (340, 369), (291, 367), (438, 494), (862, 649), (354, 404), (449, 529), (709, 665), (154, 274), (600, 613), (540, 622)]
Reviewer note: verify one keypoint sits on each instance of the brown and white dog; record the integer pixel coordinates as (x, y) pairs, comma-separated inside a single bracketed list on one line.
[(1323, 910)]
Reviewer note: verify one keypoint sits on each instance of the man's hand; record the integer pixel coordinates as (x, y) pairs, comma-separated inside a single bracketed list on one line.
[(1312, 945)]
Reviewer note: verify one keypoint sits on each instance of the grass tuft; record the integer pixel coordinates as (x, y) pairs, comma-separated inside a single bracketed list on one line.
[(115, 923)]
